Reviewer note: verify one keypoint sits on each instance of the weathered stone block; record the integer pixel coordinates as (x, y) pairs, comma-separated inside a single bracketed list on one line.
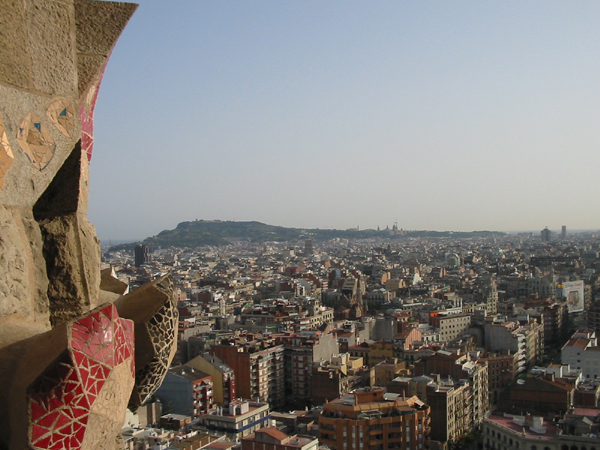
[(72, 254)]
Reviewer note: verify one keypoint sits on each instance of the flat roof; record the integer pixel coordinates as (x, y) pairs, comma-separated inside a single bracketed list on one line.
[(507, 422), (587, 412)]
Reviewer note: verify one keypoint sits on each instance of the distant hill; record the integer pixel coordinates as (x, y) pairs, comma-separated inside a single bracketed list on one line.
[(214, 232)]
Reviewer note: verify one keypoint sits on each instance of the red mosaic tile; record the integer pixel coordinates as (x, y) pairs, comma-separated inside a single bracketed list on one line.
[(111, 313), (95, 388), (79, 413), (106, 322), (70, 392), (44, 443), (57, 445), (54, 404), (38, 432), (78, 357), (62, 420), (105, 372), (105, 354), (80, 337), (96, 339), (74, 443), (79, 327), (49, 420), (79, 432), (96, 320), (73, 377), (84, 376), (82, 403), (37, 411), (91, 397), (86, 117), (66, 430), (69, 397), (87, 322)]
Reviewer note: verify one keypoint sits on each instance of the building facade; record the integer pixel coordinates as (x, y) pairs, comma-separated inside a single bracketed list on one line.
[(258, 366), (372, 419), (273, 439), (186, 391), (238, 420), (223, 376)]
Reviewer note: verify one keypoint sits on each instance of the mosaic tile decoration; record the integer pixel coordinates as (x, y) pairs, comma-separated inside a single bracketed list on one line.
[(35, 141), (6, 154), (62, 116), (86, 116), (162, 331), (79, 388)]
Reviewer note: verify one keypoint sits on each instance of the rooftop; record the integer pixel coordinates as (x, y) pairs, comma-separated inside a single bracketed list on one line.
[(509, 423)]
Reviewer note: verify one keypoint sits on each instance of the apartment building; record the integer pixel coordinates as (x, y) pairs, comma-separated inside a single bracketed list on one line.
[(576, 431), (373, 352), (239, 419), (273, 439), (301, 351), (526, 340), (451, 410), (223, 376), (186, 391), (502, 371), (258, 366), (373, 419), (459, 366), (451, 326), (582, 354)]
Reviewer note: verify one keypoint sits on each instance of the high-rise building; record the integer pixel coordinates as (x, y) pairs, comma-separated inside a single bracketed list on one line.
[(563, 232), (371, 418), (546, 235), (258, 367), (459, 366), (451, 405), (502, 372), (142, 255), (594, 317), (301, 352), (308, 247)]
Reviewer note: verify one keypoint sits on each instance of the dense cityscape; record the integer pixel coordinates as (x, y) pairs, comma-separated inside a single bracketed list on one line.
[(305, 335), (398, 342)]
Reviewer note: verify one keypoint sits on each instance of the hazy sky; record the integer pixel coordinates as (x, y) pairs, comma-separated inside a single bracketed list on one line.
[(332, 114)]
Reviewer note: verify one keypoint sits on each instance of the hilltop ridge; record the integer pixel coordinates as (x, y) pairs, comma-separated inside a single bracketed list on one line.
[(216, 232)]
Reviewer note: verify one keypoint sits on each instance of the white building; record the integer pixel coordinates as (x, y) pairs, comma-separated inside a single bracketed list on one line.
[(582, 354)]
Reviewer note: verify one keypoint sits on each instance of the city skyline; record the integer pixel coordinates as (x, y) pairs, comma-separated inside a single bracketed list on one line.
[(461, 117)]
